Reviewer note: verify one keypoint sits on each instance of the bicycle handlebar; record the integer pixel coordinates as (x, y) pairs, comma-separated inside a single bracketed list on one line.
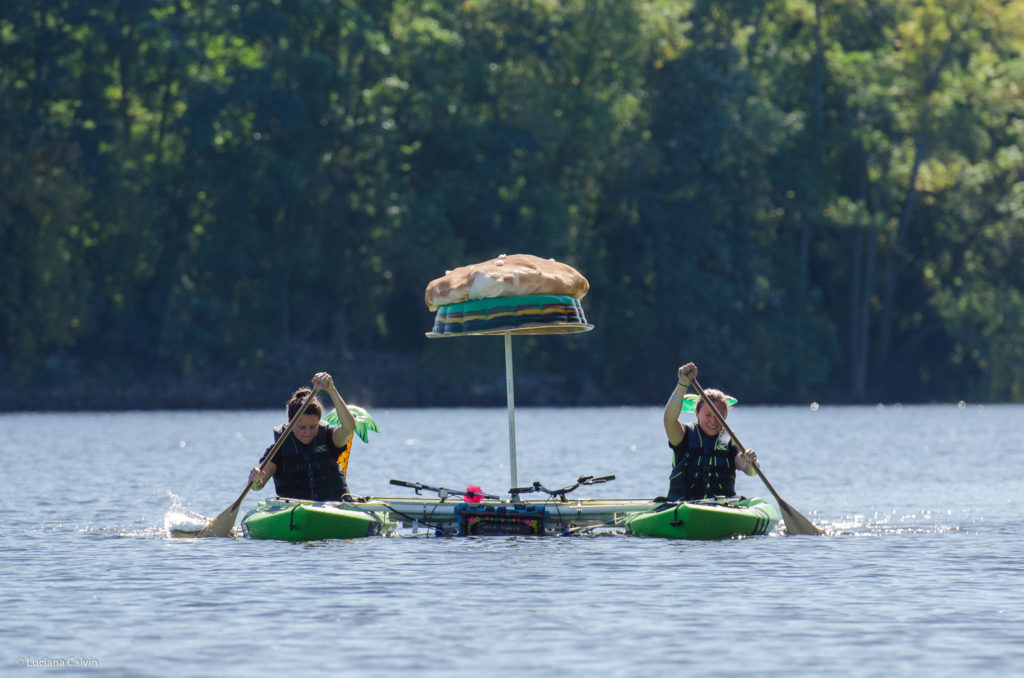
[(561, 492), (442, 492)]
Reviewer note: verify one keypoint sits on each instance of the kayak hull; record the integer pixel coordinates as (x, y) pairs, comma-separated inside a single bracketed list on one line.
[(303, 520), (294, 520), (705, 519)]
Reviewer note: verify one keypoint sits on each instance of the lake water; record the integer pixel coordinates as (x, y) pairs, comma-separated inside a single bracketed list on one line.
[(922, 572)]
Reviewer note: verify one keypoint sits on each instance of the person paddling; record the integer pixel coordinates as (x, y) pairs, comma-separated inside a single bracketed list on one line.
[(307, 464), (704, 457)]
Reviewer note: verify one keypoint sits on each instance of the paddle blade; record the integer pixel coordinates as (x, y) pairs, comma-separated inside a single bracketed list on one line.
[(796, 523), (222, 525)]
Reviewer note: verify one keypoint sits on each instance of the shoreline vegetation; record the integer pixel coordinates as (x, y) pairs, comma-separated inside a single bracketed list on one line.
[(203, 204), (370, 379)]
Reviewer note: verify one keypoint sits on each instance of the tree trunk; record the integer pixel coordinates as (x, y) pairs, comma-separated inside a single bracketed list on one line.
[(921, 151), (892, 281)]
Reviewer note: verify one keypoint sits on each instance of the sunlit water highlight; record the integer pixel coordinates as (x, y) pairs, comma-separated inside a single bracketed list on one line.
[(921, 572)]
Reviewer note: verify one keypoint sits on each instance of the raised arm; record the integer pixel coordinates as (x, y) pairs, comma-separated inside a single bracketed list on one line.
[(686, 374), (347, 425)]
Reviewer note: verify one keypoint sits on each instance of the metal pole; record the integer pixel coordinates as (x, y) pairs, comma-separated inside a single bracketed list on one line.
[(511, 398)]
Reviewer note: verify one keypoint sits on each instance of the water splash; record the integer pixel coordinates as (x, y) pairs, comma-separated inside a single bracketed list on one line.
[(180, 520)]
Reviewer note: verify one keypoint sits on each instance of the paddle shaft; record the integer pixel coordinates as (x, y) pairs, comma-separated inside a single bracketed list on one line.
[(276, 447)]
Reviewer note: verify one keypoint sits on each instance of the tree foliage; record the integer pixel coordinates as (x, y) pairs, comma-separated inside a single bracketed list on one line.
[(809, 198)]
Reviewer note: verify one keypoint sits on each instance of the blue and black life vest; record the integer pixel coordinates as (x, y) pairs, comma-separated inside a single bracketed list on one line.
[(309, 471), (702, 466)]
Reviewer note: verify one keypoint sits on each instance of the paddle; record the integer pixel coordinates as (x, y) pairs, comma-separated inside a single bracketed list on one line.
[(222, 525), (795, 523)]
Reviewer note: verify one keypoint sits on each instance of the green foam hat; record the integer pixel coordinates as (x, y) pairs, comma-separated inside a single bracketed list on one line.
[(690, 401), (364, 421)]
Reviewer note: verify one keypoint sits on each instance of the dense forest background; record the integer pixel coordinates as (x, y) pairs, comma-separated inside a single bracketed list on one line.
[(203, 202)]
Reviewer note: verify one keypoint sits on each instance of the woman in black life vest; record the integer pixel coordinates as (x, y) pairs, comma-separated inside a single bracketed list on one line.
[(704, 457), (306, 465)]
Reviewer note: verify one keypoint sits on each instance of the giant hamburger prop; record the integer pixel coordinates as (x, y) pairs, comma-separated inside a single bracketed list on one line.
[(518, 293)]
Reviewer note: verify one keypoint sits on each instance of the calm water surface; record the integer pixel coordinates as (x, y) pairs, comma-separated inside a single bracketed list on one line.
[(922, 572)]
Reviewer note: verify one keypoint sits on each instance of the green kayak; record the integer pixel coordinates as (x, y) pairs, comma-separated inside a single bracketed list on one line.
[(705, 519), (298, 520)]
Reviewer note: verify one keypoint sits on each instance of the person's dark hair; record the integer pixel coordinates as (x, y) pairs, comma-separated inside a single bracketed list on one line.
[(298, 398), (717, 397)]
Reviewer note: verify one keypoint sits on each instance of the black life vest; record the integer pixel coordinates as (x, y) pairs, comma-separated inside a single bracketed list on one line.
[(702, 466), (309, 471)]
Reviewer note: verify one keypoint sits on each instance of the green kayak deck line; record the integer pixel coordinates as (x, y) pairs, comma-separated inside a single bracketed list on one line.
[(705, 519), (295, 520)]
